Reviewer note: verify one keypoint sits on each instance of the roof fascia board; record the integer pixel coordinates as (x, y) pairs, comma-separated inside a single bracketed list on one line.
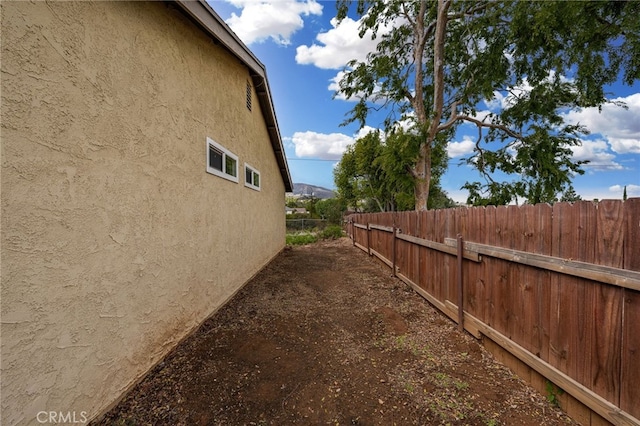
[(212, 22)]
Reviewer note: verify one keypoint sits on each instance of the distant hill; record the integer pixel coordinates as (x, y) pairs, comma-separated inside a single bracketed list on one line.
[(306, 190)]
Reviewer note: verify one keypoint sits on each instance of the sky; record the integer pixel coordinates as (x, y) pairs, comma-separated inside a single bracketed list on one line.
[(305, 51)]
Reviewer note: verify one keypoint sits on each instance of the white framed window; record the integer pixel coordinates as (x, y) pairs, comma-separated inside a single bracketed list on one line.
[(251, 177), (221, 162)]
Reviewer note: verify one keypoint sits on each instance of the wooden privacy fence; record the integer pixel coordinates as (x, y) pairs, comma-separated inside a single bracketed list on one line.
[(556, 286)]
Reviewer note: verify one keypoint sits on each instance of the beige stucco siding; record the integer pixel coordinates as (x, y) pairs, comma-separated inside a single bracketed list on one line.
[(115, 241)]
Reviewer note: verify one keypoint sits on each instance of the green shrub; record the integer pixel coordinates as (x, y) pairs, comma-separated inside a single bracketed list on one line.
[(301, 239), (331, 232)]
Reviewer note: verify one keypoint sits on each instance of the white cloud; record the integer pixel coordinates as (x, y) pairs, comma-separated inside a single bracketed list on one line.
[(338, 46), (325, 146), (321, 145), (619, 126), (632, 190), (334, 86), (366, 130), (596, 152), (278, 20), (458, 149), (496, 103)]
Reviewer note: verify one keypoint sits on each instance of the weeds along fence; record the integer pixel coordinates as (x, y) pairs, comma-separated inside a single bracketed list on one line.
[(556, 286)]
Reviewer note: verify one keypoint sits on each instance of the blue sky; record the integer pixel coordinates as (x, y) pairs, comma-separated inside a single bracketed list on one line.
[(304, 52)]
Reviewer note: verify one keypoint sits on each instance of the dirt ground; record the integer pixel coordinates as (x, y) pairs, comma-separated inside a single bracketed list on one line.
[(324, 335)]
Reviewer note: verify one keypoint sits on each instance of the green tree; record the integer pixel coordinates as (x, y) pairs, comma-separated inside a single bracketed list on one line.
[(570, 195), (624, 193), (360, 180), (331, 210), (437, 60), (310, 204), (372, 174), (291, 202)]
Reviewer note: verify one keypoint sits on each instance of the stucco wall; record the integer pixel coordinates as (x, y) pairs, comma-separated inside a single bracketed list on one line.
[(116, 243)]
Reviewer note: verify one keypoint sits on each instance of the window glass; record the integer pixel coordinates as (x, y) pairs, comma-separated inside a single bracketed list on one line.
[(230, 166), (215, 158)]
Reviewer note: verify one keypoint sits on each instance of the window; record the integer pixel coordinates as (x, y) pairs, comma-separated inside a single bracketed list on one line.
[(251, 177), (249, 96), (221, 162)]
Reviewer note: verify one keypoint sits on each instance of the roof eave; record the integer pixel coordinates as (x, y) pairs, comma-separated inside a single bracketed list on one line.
[(212, 23)]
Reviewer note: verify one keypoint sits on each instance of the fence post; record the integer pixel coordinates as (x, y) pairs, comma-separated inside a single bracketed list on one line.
[(368, 238), (353, 232), (393, 251), (460, 285)]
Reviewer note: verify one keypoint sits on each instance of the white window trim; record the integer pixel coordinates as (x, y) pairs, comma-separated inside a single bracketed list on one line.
[(225, 153), (253, 170)]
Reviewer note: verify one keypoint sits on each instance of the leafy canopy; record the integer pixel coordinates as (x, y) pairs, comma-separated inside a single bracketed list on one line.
[(437, 61)]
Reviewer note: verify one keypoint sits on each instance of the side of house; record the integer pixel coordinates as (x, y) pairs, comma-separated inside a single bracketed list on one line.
[(143, 180)]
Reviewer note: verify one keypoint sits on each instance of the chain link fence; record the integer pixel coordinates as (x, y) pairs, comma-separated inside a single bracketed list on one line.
[(298, 225)]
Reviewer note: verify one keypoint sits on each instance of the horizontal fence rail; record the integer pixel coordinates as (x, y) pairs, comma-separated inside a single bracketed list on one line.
[(556, 286)]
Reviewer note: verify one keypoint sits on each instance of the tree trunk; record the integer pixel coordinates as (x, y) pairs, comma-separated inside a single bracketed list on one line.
[(423, 167), (422, 170), (423, 177)]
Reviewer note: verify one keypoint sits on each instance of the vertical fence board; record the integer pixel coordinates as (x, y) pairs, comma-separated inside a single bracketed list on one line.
[(632, 233), (608, 304), (517, 281), (414, 251), (529, 238), (456, 225), (560, 295), (544, 246), (407, 247), (487, 266), (390, 223), (475, 286), (373, 235), (426, 263), (434, 272), (501, 291), (462, 228), (439, 274), (515, 301), (583, 222), (630, 368), (419, 260), (630, 373), (401, 246), (448, 262)]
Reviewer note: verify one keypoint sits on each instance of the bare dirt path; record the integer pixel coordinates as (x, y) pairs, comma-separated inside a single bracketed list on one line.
[(324, 335)]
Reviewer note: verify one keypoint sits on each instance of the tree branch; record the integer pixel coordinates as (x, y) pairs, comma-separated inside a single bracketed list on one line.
[(452, 118), (438, 65), (491, 126), (406, 14), (469, 12)]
